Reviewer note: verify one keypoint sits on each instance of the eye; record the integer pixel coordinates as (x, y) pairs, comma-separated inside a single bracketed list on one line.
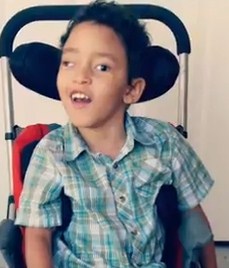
[(67, 64), (103, 67)]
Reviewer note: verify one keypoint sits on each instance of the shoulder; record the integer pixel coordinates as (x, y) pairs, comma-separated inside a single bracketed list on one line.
[(154, 130), (54, 139), (52, 143)]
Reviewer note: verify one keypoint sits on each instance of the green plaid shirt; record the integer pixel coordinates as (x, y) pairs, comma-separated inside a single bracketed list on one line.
[(115, 221)]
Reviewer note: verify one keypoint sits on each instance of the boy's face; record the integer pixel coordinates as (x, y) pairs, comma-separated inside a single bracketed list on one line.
[(93, 76)]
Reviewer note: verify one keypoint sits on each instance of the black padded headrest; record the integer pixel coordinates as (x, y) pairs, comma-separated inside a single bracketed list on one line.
[(35, 66), (160, 69)]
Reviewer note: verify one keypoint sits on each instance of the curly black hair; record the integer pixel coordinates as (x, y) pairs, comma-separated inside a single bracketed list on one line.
[(130, 31)]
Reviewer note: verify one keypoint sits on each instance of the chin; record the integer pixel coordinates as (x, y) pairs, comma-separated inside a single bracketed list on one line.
[(83, 123)]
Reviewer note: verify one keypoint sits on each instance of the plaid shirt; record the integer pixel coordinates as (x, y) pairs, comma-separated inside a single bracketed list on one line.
[(114, 222)]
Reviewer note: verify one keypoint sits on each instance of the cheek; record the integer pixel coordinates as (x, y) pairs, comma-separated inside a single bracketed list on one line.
[(115, 84), (60, 82)]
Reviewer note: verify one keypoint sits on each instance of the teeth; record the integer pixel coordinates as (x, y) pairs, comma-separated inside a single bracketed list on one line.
[(79, 96)]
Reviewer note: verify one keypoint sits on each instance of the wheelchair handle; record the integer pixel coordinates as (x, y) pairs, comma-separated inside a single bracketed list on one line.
[(60, 12)]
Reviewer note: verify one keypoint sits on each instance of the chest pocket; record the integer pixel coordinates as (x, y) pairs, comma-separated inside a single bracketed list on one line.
[(149, 179)]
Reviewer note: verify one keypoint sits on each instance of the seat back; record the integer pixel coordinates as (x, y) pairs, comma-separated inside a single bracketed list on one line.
[(22, 150), (170, 217)]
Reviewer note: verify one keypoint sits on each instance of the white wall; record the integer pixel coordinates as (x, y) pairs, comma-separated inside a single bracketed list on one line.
[(206, 22)]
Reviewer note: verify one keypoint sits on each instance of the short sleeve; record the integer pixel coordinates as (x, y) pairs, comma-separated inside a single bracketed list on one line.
[(40, 204), (190, 177)]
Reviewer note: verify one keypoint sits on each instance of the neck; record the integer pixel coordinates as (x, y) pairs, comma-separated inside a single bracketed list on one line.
[(107, 139)]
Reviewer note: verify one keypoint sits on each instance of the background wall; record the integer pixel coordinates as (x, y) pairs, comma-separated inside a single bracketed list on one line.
[(206, 22)]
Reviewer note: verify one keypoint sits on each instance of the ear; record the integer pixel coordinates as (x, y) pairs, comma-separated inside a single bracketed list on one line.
[(134, 91)]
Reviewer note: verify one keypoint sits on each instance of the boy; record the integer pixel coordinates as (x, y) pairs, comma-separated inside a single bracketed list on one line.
[(110, 165)]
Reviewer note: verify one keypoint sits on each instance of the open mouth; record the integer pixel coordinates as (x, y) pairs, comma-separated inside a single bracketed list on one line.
[(79, 97)]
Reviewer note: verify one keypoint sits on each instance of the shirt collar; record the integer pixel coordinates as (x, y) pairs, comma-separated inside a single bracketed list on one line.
[(135, 128), (74, 144)]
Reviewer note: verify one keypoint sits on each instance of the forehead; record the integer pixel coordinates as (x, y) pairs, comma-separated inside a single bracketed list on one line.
[(90, 36)]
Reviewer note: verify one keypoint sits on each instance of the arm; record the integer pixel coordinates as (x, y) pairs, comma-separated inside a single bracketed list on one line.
[(193, 183), (207, 254), (38, 247), (197, 238), (40, 207)]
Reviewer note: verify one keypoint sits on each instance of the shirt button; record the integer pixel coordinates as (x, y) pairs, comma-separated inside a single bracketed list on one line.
[(115, 166), (134, 232), (122, 198)]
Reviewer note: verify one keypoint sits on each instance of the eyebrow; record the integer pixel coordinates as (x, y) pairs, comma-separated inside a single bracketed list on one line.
[(99, 54), (70, 49)]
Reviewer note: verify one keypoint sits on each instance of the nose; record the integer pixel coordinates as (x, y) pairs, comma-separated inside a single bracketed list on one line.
[(82, 76)]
